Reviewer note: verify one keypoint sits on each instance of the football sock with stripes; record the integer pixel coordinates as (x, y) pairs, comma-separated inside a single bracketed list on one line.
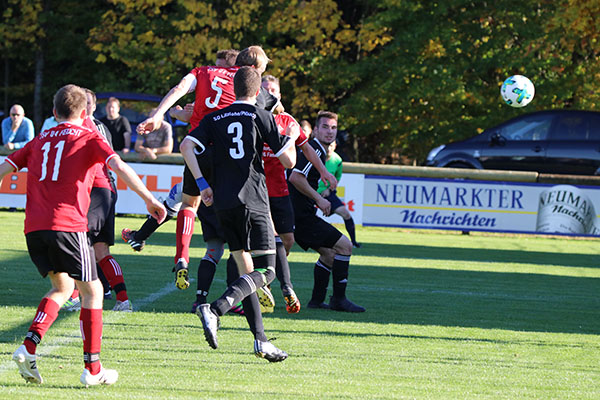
[(149, 227), (282, 267), (183, 237), (206, 274), (90, 322), (112, 270), (339, 272), (351, 229), (238, 290), (321, 277), (45, 315)]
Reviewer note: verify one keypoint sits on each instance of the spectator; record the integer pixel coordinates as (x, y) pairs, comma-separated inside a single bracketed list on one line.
[(157, 142), (118, 125), (17, 129), (49, 122)]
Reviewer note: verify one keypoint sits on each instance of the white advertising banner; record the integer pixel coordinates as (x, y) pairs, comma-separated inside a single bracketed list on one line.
[(480, 205), (350, 191)]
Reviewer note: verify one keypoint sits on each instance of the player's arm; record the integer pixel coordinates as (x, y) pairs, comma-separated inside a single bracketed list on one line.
[(5, 169), (130, 177), (154, 121), (187, 149), (287, 156), (312, 156), (301, 183), (182, 114)]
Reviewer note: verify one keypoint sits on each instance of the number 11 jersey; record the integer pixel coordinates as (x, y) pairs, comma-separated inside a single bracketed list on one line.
[(59, 165)]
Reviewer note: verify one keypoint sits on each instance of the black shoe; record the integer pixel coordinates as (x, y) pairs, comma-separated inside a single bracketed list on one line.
[(344, 304), (129, 236), (268, 351), (356, 245), (315, 304)]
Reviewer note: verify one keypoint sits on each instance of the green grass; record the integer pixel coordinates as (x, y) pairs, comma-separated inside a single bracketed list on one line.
[(449, 316)]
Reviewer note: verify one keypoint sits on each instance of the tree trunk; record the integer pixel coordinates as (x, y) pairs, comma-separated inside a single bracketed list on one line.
[(37, 89)]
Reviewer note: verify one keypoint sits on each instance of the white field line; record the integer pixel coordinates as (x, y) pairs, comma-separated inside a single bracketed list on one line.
[(47, 348)]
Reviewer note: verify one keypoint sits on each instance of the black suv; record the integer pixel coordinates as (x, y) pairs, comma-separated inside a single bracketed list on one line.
[(553, 141)]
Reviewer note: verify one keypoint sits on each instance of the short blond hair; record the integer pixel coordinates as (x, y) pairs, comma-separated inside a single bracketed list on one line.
[(253, 56)]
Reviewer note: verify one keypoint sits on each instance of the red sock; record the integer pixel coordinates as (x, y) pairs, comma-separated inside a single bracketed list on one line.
[(112, 271), (185, 230), (90, 321), (44, 317), (75, 293)]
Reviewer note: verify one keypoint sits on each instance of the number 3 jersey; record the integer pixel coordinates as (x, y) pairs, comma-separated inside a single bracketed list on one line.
[(60, 166), (235, 137)]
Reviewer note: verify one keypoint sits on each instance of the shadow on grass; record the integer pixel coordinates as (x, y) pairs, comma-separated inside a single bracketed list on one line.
[(402, 295)]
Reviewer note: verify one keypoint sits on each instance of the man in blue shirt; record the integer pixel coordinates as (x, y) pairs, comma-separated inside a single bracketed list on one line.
[(17, 129)]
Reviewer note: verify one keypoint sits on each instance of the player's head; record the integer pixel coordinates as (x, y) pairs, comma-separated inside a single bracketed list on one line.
[(246, 83), (69, 102), (91, 101), (305, 125), (253, 56), (226, 58), (271, 85), (326, 127)]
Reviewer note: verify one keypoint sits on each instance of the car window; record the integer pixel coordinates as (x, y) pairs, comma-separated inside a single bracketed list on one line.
[(572, 128), (535, 127)]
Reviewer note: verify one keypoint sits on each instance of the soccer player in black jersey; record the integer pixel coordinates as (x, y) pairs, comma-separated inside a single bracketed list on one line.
[(233, 138), (313, 232)]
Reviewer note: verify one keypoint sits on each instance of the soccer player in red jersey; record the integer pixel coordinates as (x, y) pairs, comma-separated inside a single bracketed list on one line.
[(60, 165), (213, 87), (279, 196)]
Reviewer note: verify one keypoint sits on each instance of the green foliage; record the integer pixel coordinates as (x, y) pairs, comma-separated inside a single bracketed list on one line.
[(404, 76)]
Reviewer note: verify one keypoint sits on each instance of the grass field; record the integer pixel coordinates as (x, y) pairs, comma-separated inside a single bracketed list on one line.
[(449, 316)]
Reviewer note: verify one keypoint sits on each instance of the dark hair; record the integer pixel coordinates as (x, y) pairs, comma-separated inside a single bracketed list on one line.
[(69, 101), (325, 114), (229, 55), (246, 82)]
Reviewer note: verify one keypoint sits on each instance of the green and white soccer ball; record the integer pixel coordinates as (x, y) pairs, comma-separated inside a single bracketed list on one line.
[(517, 91)]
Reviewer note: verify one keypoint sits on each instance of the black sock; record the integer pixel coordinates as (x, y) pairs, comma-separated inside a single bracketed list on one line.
[(339, 271), (282, 268), (238, 290), (351, 229), (105, 285), (265, 264), (148, 228), (232, 270), (254, 317), (206, 274), (321, 276)]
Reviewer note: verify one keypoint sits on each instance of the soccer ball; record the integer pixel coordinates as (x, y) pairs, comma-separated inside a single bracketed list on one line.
[(517, 91)]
